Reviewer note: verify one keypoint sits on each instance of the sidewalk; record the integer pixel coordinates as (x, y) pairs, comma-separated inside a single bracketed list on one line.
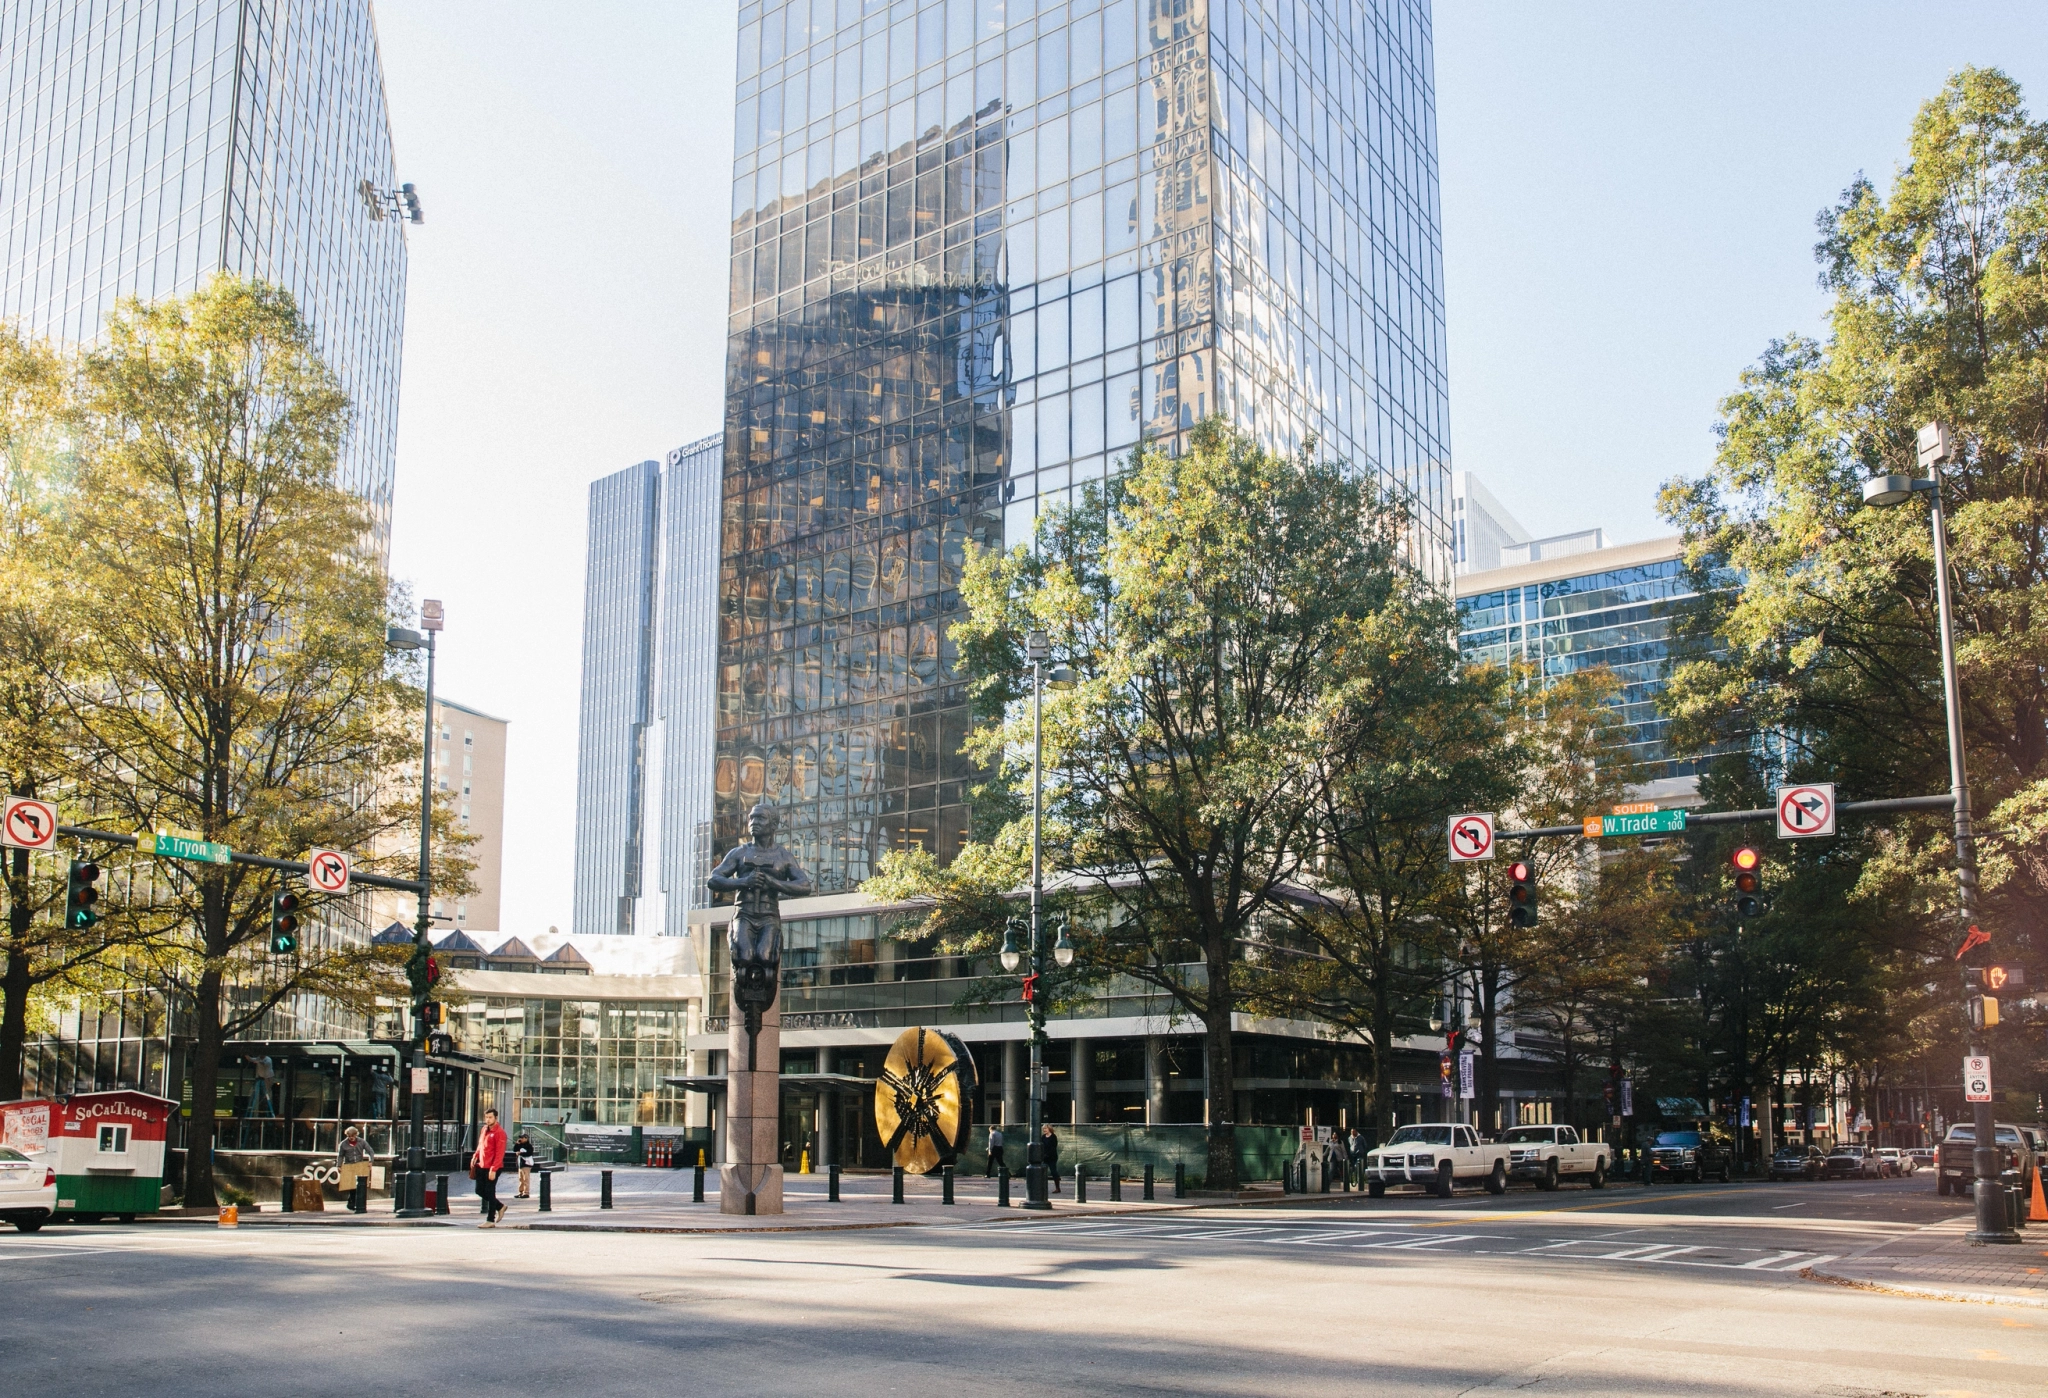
[(1938, 1262)]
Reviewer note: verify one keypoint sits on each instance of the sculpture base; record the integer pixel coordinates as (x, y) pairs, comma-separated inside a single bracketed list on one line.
[(733, 1193)]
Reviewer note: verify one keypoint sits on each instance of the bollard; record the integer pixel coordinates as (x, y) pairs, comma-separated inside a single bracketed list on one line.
[(831, 1184), (1148, 1180), (1180, 1179), (441, 1194), (896, 1185), (604, 1189), (697, 1184), (547, 1204), (1116, 1185), (1080, 1185), (359, 1197), (288, 1194), (946, 1185), (1002, 1186)]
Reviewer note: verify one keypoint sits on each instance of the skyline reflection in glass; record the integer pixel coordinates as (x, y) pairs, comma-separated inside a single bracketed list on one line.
[(980, 249)]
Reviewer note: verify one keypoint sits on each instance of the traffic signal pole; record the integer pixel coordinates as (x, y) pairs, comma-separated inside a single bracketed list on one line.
[(413, 1200)]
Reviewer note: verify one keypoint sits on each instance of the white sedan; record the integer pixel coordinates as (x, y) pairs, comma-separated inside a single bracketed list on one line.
[(1901, 1163), (28, 1190)]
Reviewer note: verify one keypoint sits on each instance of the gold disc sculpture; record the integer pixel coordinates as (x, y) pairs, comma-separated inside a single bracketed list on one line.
[(924, 1099)]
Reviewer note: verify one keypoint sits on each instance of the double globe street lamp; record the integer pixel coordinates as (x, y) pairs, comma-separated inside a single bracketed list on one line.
[(412, 1191)]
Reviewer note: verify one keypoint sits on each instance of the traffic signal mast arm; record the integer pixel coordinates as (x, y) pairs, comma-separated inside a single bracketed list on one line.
[(258, 861), (1692, 818)]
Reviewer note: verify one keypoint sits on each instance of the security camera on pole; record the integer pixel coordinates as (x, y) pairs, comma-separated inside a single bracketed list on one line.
[(1936, 449), (412, 1193)]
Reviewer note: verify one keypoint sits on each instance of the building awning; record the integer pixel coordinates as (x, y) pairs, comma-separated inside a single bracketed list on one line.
[(811, 1082)]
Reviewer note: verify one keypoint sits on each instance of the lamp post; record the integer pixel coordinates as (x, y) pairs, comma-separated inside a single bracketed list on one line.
[(412, 1200), (1884, 492)]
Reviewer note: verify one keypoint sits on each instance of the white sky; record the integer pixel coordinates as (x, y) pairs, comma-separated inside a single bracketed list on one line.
[(1628, 196)]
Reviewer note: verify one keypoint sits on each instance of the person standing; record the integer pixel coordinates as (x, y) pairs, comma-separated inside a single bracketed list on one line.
[(353, 1158), (485, 1165), (522, 1156), (1049, 1156), (995, 1148)]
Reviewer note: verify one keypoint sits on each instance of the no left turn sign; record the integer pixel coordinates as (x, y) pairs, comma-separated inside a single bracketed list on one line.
[(327, 870), (29, 824), (1471, 837), (1806, 811)]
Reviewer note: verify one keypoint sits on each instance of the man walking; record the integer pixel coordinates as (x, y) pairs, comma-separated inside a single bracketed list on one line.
[(1049, 1156), (995, 1148), (522, 1156), (354, 1159), (485, 1165)]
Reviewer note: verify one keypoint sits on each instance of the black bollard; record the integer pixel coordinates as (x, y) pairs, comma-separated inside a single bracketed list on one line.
[(359, 1197), (896, 1185), (1180, 1179), (289, 1204), (1148, 1179), (832, 1184), (697, 1184), (1116, 1185), (547, 1204), (1080, 1185), (946, 1185), (604, 1189), (1002, 1186), (441, 1194)]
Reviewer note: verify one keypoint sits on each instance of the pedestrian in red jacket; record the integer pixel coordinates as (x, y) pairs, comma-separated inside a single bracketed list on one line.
[(485, 1165)]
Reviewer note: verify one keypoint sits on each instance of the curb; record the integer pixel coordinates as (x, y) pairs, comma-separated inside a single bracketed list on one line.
[(1926, 1293)]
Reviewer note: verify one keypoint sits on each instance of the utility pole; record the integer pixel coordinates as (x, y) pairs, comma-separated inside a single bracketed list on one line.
[(412, 1192)]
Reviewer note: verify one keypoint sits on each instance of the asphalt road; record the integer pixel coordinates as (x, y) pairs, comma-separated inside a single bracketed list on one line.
[(1681, 1290)]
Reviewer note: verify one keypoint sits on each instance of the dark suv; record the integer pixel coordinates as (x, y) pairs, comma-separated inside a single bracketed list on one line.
[(1690, 1153), (1797, 1163)]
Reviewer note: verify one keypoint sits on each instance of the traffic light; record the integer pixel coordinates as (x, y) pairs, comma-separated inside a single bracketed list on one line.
[(1521, 894), (1749, 882), (284, 922), (434, 1014), (80, 895)]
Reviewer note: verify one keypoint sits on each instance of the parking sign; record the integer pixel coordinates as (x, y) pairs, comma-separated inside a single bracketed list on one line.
[(1977, 1078)]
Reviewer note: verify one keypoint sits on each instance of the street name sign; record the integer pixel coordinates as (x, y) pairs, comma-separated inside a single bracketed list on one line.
[(29, 824), (166, 846), (327, 870), (1635, 823), (1471, 837), (1805, 812), (1977, 1078)]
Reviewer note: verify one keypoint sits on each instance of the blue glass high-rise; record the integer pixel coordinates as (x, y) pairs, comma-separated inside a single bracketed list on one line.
[(980, 249)]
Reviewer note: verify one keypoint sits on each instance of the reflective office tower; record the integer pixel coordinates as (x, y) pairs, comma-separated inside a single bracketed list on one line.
[(980, 249), (147, 145), (650, 655)]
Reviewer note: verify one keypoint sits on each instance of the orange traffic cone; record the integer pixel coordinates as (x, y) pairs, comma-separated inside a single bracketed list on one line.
[(2037, 1211)]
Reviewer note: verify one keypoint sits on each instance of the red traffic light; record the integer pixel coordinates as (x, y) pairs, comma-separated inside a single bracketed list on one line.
[(1518, 872), (1745, 858), (287, 903)]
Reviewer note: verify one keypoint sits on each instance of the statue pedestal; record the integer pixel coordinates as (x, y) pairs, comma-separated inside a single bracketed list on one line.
[(753, 1116)]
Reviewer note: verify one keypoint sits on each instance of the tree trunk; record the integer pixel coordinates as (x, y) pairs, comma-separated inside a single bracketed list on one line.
[(1216, 1049), (14, 981), (1382, 1052), (203, 1064)]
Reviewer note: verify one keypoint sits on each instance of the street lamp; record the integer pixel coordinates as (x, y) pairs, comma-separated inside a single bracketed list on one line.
[(413, 1192), (1884, 492), (1037, 649)]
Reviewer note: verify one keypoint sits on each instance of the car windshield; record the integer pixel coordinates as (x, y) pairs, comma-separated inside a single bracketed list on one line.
[(1998, 1133), (1678, 1138), (1526, 1135), (1422, 1136), (1791, 1153), (1846, 1150), (9, 1153)]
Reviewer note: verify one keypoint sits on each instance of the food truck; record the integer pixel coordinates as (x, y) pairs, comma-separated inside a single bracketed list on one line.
[(107, 1149)]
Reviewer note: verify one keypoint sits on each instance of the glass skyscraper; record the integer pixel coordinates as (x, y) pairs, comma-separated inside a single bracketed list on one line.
[(980, 249), (644, 748), (148, 144)]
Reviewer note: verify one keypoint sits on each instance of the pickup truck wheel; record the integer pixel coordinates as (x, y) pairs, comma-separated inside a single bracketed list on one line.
[(1941, 1184), (1724, 1173), (1376, 1189), (1599, 1180), (1497, 1182), (1549, 1180), (1443, 1180)]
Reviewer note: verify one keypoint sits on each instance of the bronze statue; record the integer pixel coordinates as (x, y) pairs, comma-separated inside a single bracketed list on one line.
[(762, 874)]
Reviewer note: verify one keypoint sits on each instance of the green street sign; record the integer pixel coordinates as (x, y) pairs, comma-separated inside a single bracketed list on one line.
[(181, 847), (1640, 823)]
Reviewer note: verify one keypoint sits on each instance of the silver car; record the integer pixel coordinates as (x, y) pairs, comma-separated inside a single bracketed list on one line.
[(28, 1190)]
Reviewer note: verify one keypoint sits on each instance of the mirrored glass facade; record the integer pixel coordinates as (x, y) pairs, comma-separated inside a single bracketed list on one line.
[(644, 746), (980, 249), (148, 144)]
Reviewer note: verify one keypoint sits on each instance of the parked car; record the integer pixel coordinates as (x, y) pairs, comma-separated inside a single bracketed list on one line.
[(1549, 1155), (1897, 1162), (1852, 1162), (1922, 1158), (1955, 1158), (1690, 1153), (1798, 1163), (1436, 1156), (28, 1190)]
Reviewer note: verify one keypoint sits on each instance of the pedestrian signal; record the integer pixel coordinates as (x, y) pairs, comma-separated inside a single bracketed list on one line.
[(80, 895), (1521, 894), (284, 922), (1983, 1012), (1749, 883)]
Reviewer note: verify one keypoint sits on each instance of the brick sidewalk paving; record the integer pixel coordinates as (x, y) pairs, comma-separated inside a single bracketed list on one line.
[(1939, 1262)]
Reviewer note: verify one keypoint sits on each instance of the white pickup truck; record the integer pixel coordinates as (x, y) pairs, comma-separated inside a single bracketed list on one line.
[(1436, 1156), (1549, 1155)]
